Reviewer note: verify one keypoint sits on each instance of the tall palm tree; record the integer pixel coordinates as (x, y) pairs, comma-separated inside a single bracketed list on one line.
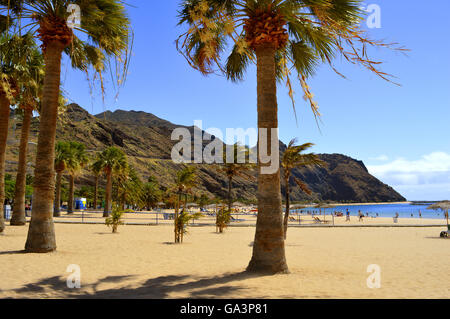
[(96, 168), (184, 182), (30, 91), (62, 157), (14, 58), (77, 161), (107, 27), (112, 161), (279, 36), (293, 157)]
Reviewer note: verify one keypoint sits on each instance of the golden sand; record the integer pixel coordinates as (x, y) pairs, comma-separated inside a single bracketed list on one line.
[(141, 262)]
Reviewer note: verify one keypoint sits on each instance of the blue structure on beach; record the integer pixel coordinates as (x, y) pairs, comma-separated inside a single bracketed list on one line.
[(80, 203)]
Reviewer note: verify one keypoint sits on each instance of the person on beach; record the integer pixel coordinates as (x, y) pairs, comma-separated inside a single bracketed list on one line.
[(361, 215), (347, 219), (396, 218)]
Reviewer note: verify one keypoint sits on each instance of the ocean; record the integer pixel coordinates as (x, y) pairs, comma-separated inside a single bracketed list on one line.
[(385, 210)]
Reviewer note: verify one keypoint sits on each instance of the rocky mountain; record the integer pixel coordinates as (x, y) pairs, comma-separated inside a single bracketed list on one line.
[(146, 139)]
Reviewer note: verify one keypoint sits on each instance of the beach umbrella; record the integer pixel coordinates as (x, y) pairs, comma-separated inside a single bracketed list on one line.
[(298, 206), (161, 204), (238, 204), (324, 206), (444, 205)]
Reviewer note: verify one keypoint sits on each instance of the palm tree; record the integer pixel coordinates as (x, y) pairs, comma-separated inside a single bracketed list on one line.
[(107, 27), (77, 161), (234, 168), (29, 92), (152, 194), (112, 161), (184, 182), (183, 220), (128, 188), (96, 168), (279, 36), (62, 156), (292, 158), (14, 57)]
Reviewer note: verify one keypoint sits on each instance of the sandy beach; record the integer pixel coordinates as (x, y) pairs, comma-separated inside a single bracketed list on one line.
[(141, 262)]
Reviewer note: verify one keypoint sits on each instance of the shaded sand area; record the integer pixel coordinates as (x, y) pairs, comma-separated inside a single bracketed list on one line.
[(140, 262)]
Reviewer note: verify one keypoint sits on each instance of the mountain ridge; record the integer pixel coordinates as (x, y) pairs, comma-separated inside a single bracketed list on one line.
[(146, 139)]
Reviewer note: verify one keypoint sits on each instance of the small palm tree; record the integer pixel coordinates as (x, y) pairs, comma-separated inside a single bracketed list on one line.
[(184, 182), (293, 157), (115, 220), (182, 221), (77, 161), (112, 161), (223, 218)]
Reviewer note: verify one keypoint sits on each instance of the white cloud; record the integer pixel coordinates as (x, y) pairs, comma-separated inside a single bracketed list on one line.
[(429, 175)]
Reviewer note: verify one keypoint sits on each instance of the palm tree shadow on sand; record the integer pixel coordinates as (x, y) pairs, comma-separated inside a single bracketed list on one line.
[(155, 288)]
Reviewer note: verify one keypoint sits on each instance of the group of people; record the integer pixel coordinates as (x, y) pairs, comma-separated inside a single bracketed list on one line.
[(360, 215), (7, 210)]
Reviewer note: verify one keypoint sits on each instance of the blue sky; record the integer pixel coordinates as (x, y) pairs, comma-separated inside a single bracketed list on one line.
[(401, 133)]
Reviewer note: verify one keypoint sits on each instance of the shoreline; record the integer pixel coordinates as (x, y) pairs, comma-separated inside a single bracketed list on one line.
[(359, 204), (372, 204)]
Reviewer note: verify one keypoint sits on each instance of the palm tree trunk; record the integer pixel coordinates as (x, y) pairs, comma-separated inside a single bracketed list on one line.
[(286, 214), (96, 192), (71, 191), (4, 125), (108, 201), (176, 230), (230, 200), (57, 208), (41, 233), (268, 249), (18, 216)]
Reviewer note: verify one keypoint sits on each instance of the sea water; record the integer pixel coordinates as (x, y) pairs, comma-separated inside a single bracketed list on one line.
[(383, 210)]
